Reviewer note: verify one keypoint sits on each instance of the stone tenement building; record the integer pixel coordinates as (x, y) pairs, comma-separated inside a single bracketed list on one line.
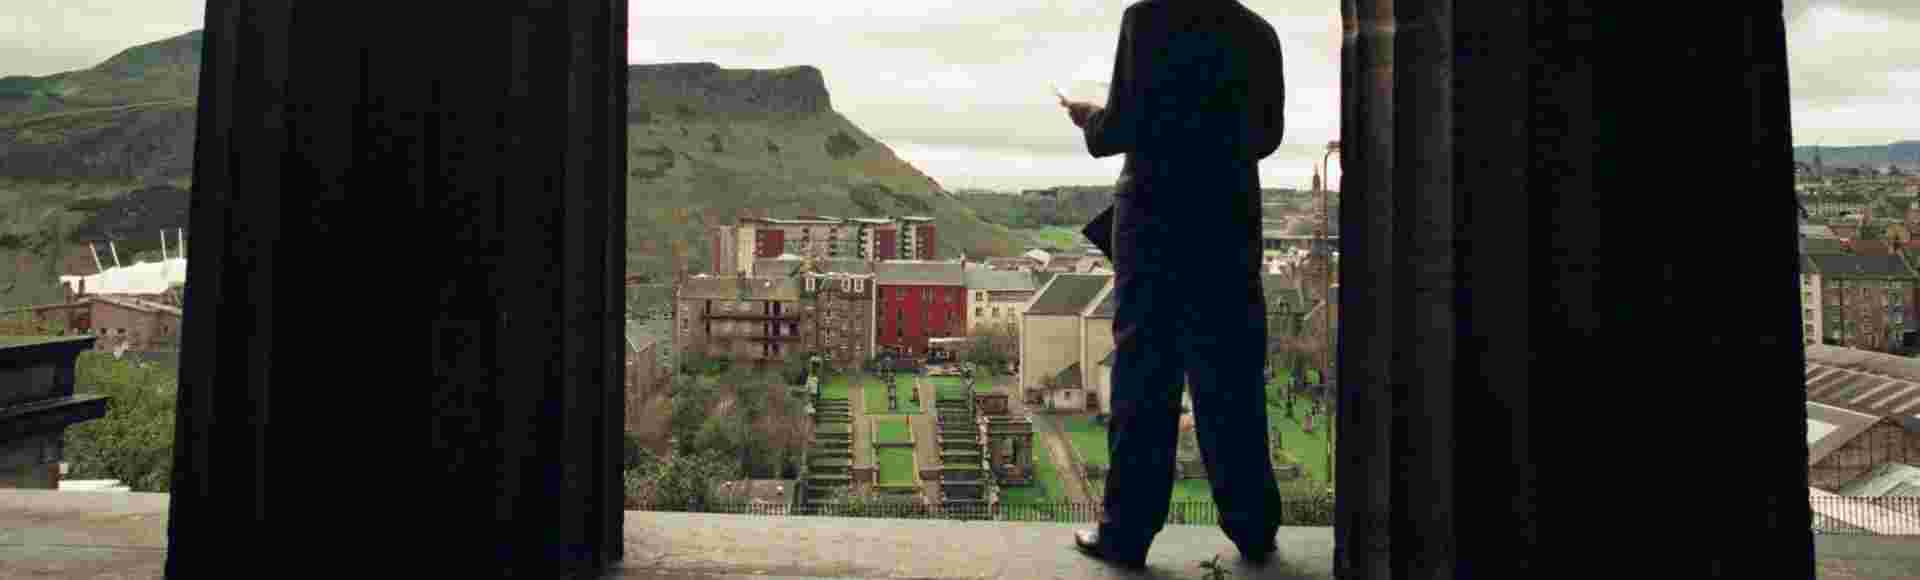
[(743, 318), (844, 306), (735, 247), (1858, 301)]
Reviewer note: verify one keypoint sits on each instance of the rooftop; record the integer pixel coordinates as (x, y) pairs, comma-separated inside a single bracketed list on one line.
[(1860, 266), (1068, 294), (984, 279), (95, 535), (919, 272)]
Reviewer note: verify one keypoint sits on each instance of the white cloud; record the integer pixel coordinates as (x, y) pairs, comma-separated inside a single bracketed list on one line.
[(975, 74)]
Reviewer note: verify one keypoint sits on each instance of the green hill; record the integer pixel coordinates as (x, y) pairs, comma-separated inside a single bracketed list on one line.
[(702, 140)]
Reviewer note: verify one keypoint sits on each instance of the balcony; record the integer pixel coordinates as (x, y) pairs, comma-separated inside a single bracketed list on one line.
[(96, 535), (795, 316)]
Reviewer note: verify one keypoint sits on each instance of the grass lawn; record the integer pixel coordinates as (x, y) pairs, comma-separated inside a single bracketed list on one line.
[(877, 397), (1048, 488), (984, 382), (1309, 448), (1062, 237), (836, 388), (1088, 439), (955, 388), (891, 430), (896, 465)]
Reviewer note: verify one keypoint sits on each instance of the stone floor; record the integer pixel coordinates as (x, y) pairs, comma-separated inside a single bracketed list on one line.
[(91, 535)]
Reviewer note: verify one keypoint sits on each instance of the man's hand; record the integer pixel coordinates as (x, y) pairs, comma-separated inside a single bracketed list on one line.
[(1079, 112)]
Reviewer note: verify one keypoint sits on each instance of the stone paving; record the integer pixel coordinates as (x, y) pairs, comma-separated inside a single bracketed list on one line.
[(926, 447), (101, 536)]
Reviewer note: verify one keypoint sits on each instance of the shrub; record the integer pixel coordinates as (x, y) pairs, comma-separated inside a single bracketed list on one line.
[(134, 441)]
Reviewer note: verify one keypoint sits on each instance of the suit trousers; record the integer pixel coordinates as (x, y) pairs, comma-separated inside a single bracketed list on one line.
[(1189, 304)]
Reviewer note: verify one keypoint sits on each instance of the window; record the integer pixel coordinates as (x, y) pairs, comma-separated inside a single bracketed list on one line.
[(980, 312), (926, 294)]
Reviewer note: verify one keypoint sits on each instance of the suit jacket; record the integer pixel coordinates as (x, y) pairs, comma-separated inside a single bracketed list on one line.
[(1196, 101)]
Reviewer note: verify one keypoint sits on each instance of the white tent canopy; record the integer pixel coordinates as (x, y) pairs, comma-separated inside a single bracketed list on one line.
[(144, 278)]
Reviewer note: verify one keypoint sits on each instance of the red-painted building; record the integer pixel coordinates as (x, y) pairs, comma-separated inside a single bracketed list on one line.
[(918, 300), (886, 244)]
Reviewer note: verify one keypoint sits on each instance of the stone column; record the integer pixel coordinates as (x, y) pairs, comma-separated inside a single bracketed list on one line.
[(451, 393), (1507, 269)]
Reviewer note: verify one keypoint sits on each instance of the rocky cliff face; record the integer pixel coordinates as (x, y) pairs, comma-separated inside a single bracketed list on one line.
[(704, 86), (701, 139)]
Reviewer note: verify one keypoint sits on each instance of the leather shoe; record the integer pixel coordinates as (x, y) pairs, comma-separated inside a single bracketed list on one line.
[(1088, 542)]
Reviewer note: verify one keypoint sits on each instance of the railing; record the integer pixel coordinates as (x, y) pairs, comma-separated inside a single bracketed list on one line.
[(1294, 512), (1883, 516)]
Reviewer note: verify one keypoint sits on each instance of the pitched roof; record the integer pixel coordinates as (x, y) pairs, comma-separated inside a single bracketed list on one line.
[(1869, 383), (984, 279), (1817, 231), (1105, 309), (1826, 245), (914, 272), (1886, 480), (133, 303), (730, 288), (1860, 266), (1068, 294), (1872, 248), (1829, 427), (1041, 278), (782, 267), (1068, 378)]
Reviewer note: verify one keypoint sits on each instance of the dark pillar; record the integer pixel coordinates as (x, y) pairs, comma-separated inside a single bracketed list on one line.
[(405, 351), (1499, 158)]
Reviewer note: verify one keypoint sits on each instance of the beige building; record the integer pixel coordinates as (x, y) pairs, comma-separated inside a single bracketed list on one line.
[(1096, 342), (997, 297), (1053, 340)]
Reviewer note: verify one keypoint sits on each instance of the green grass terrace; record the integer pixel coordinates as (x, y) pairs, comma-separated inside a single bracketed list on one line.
[(955, 388), (876, 394), (896, 466), (836, 388), (892, 430)]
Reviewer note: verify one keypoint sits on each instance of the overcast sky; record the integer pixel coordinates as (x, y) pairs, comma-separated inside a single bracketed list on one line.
[(959, 88)]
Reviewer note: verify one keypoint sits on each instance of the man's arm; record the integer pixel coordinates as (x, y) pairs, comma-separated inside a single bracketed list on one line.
[(1115, 128)]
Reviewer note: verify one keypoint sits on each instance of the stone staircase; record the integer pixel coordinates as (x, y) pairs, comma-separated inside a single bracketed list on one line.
[(829, 461), (964, 481)]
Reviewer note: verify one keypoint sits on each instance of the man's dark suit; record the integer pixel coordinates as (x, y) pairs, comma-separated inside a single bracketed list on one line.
[(1195, 103)]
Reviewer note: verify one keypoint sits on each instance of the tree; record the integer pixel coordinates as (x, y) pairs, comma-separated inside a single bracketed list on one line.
[(679, 481), (134, 441), (994, 345)]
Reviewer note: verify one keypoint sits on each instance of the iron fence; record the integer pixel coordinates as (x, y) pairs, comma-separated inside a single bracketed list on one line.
[(1885, 516), (1294, 511)]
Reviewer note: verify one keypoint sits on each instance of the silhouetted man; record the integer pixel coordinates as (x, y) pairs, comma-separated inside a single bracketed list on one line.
[(1195, 103)]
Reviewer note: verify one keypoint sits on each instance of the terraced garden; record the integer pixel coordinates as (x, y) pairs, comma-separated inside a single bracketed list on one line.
[(876, 394), (892, 430), (956, 387), (836, 388), (896, 466)]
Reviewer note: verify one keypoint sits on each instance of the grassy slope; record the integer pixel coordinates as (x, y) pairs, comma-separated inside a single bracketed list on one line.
[(38, 210), (891, 430), (780, 164), (896, 465)]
